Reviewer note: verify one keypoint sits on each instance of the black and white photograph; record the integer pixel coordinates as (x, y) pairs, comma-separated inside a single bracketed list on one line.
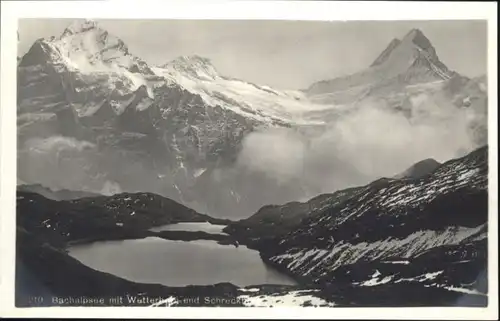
[(251, 163)]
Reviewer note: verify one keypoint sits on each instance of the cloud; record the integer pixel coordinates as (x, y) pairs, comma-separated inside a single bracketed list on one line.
[(369, 142), (110, 188), (279, 153), (380, 142), (58, 162), (62, 162), (57, 143)]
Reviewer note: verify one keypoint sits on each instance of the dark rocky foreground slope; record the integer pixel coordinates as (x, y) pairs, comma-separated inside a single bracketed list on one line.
[(47, 276), (411, 241), (272, 221), (120, 216)]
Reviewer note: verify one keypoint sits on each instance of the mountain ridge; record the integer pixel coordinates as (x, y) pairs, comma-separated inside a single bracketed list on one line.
[(271, 221), (387, 51), (381, 237)]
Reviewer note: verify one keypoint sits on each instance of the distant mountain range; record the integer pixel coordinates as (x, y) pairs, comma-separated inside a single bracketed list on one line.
[(94, 117), (58, 195)]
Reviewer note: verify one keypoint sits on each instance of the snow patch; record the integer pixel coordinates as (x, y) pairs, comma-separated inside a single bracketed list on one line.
[(199, 171), (316, 261), (432, 276), (397, 262), (464, 290), (251, 101), (292, 298), (421, 278), (375, 280)]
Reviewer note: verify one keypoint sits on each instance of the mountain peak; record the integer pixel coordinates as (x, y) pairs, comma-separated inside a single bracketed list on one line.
[(412, 59), (417, 49), (79, 26), (411, 45), (192, 60), (86, 47), (415, 32), (417, 37), (88, 35), (420, 169)]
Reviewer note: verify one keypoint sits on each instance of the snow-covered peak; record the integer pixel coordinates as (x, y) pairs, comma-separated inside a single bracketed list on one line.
[(414, 49), (411, 60), (193, 67), (87, 48), (79, 26), (418, 39), (95, 68), (402, 54), (87, 37)]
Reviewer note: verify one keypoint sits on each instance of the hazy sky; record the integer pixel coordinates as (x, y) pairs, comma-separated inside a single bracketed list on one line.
[(283, 54)]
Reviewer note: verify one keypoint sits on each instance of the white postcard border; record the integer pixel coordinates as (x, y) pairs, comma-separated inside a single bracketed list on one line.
[(262, 10)]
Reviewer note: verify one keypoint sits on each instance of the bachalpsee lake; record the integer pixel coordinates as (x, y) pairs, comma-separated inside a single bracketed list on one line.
[(179, 263)]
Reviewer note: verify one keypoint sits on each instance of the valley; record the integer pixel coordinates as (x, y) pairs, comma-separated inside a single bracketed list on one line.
[(176, 185), (336, 255)]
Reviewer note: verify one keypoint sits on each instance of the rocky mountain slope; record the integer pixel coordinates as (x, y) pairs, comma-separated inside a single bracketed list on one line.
[(89, 110), (84, 98), (273, 220), (397, 234)]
